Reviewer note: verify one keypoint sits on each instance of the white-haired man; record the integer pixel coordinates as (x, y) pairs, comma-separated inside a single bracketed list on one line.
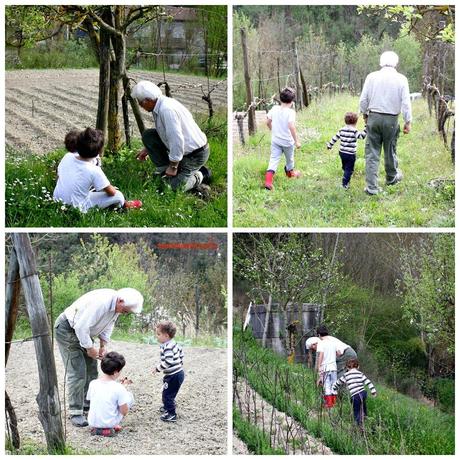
[(92, 315), (177, 146), (384, 96)]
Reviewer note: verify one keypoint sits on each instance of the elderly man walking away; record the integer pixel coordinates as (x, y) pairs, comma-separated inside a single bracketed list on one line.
[(92, 315), (384, 96), (177, 146)]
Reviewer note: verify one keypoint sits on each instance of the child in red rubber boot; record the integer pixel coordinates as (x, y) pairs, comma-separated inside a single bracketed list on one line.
[(326, 350), (281, 122)]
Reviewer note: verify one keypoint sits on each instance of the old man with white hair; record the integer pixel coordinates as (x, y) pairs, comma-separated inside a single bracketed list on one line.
[(92, 315), (177, 146), (384, 96)]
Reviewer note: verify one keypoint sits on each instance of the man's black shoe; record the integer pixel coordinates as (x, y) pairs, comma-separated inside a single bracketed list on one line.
[(207, 175)]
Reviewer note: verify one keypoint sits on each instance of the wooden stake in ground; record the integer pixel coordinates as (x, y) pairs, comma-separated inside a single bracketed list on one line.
[(252, 128), (48, 396)]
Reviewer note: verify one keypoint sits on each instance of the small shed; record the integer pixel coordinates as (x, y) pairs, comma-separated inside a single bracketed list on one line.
[(305, 317)]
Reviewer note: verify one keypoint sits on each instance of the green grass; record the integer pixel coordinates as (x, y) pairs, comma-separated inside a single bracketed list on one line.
[(30, 181), (317, 198), (29, 447), (396, 424), (255, 439)]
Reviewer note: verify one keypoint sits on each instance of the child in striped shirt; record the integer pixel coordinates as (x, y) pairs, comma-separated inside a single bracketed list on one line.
[(348, 135), (355, 380), (171, 361)]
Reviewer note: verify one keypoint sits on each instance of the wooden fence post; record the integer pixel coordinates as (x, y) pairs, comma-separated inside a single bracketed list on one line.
[(13, 286), (252, 128), (48, 396)]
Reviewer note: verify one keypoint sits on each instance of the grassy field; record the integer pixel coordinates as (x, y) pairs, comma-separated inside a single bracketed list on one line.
[(396, 424), (30, 181), (317, 198)]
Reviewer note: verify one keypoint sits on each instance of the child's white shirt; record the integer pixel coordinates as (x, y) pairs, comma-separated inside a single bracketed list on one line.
[(281, 117), (105, 399), (329, 349), (75, 180)]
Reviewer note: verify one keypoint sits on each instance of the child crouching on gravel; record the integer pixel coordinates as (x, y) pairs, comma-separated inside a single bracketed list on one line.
[(348, 135), (281, 122), (171, 362), (355, 381), (78, 175), (109, 400)]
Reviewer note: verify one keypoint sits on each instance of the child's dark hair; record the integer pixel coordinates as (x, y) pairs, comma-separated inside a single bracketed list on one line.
[(322, 331), (287, 95), (71, 139), (351, 118), (352, 363), (112, 362), (167, 327), (90, 143)]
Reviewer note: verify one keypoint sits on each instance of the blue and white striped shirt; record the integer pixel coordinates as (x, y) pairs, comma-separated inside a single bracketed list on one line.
[(355, 381), (348, 135), (171, 358)]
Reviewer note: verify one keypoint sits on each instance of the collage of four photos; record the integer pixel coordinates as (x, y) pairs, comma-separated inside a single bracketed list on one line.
[(229, 229)]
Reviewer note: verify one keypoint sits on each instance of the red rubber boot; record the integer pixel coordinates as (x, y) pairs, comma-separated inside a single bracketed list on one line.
[(269, 180)]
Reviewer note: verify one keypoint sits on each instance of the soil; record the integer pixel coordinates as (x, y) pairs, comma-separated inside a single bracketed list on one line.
[(285, 432), (41, 106), (201, 427)]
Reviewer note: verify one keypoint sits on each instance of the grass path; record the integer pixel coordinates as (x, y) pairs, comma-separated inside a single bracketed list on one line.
[(317, 198)]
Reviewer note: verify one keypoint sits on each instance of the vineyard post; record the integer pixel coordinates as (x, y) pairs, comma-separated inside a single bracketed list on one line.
[(48, 396), (298, 94), (251, 115)]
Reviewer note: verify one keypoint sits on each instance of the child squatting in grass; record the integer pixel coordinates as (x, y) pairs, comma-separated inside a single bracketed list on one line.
[(348, 135), (355, 381), (109, 400), (281, 122), (81, 182), (171, 362)]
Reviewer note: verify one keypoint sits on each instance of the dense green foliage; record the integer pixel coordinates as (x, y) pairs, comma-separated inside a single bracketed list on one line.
[(317, 198), (30, 181), (396, 424)]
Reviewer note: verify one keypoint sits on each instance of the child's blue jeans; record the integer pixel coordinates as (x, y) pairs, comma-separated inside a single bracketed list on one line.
[(171, 386), (359, 406), (348, 166)]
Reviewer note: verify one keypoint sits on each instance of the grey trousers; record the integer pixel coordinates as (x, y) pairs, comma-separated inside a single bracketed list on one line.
[(382, 131), (188, 176), (341, 362), (80, 369), (276, 154)]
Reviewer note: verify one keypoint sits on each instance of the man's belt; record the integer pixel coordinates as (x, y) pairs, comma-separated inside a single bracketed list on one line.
[(382, 113), (205, 146)]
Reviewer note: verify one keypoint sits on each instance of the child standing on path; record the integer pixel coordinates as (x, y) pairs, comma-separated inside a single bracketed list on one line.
[(355, 380), (348, 135), (281, 122), (109, 400), (171, 362)]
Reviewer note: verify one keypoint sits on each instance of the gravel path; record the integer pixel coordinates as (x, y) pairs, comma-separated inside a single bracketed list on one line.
[(201, 403), (41, 106)]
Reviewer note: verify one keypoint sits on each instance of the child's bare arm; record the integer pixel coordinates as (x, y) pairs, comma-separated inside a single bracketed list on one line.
[(293, 132), (110, 190), (124, 409)]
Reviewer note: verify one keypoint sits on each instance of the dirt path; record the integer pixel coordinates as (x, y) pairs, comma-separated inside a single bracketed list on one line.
[(201, 403), (285, 432), (43, 105)]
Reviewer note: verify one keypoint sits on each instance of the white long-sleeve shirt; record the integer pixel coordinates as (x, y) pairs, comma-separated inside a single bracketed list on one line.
[(386, 91), (177, 128), (93, 315)]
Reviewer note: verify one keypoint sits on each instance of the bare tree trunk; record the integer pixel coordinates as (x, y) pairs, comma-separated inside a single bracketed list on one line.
[(298, 93), (134, 105), (48, 396), (252, 128), (268, 310), (13, 286), (104, 76)]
